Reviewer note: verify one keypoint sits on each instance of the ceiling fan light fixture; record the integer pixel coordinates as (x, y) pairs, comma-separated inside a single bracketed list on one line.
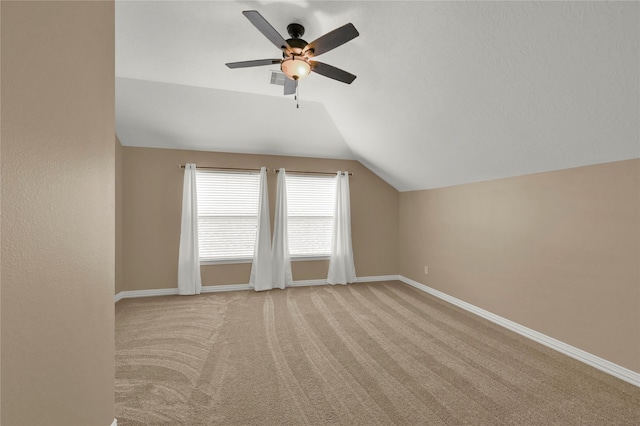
[(294, 68)]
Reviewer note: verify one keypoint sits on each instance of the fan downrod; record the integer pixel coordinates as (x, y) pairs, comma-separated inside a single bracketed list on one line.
[(295, 30)]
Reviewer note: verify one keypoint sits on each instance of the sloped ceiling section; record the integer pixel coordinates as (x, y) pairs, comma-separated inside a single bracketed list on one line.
[(164, 115), (447, 92)]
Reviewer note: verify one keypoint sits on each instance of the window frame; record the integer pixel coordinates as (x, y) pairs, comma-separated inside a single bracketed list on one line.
[(228, 260), (331, 196)]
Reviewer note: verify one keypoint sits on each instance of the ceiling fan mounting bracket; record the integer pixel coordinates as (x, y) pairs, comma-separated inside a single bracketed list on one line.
[(295, 30)]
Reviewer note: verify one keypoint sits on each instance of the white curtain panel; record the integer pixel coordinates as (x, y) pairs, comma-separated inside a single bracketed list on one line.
[(261, 276), (341, 267), (281, 265), (189, 281)]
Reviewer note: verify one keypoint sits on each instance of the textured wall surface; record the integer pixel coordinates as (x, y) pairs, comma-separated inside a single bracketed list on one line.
[(153, 203), (557, 252), (57, 213)]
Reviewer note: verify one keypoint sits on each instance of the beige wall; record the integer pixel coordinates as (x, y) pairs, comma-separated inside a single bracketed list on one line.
[(152, 209), (557, 252), (57, 213), (119, 282)]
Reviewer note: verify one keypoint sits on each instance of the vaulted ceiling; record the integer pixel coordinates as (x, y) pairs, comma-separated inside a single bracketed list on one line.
[(446, 92)]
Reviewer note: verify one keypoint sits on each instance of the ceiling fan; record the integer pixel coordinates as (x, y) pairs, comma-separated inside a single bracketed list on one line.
[(297, 54)]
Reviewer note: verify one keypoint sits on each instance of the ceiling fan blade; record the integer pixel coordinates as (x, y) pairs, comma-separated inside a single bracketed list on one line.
[(332, 72), (333, 39), (255, 63), (290, 86), (266, 29)]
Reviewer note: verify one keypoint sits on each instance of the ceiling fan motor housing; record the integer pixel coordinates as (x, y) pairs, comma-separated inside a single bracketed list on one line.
[(297, 45)]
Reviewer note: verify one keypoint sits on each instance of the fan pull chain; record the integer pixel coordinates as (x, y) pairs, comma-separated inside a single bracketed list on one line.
[(296, 97)]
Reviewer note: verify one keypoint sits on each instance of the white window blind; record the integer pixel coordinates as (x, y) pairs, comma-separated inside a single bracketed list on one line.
[(310, 204), (227, 214)]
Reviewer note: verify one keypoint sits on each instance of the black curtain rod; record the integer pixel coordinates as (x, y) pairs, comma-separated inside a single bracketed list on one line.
[(240, 169), (298, 172), (237, 169)]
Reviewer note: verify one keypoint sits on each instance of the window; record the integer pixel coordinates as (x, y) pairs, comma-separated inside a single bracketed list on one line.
[(310, 204), (227, 215)]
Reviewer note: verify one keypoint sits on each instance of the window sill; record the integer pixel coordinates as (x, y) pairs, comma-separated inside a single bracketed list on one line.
[(232, 261), (225, 261), (305, 258)]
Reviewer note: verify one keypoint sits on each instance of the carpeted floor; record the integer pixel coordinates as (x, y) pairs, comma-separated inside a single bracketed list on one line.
[(363, 354)]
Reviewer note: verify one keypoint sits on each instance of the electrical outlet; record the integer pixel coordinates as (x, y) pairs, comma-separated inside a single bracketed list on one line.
[(426, 270)]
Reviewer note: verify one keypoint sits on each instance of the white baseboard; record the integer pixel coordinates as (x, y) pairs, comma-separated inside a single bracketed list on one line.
[(237, 287), (146, 293), (174, 291), (377, 278), (590, 359), (223, 288), (305, 283)]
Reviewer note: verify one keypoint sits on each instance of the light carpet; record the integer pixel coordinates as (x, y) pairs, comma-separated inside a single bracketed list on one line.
[(362, 354)]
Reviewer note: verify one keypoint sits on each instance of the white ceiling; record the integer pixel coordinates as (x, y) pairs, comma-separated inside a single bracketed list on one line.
[(447, 92)]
